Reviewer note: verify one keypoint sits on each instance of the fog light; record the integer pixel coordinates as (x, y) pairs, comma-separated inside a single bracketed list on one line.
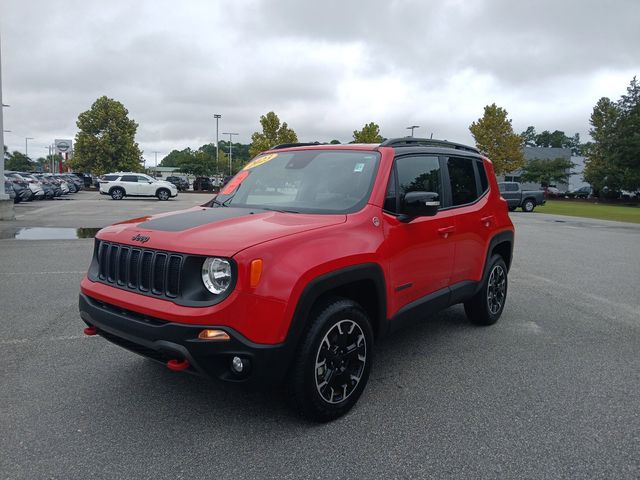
[(214, 335), (237, 365)]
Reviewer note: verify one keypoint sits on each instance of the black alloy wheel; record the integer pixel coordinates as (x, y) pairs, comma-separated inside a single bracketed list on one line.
[(340, 361), (333, 360)]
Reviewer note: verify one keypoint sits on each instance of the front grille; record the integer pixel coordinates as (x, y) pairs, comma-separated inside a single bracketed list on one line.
[(141, 269)]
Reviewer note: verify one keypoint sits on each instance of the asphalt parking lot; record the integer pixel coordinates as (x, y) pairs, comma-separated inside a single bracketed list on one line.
[(551, 391)]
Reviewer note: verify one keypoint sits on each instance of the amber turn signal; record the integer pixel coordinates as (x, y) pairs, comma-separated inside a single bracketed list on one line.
[(214, 335), (256, 272)]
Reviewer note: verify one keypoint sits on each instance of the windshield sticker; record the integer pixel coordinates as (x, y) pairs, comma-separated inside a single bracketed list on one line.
[(358, 168), (234, 182), (256, 162)]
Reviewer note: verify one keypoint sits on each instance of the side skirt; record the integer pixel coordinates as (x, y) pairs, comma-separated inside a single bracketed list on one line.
[(434, 302)]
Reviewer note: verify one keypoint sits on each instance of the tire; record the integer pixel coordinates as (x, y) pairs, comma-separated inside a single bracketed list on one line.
[(528, 205), (486, 306), (313, 386), (163, 194), (512, 209), (117, 193)]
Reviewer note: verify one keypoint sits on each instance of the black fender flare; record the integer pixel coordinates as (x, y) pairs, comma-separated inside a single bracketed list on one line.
[(506, 236), (332, 280)]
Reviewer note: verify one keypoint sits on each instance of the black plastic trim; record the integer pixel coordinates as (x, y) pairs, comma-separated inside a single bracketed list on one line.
[(162, 341), (333, 280), (191, 291)]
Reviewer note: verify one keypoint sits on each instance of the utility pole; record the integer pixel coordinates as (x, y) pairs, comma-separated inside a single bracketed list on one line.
[(26, 145), (217, 116), (230, 149), (412, 128), (155, 168)]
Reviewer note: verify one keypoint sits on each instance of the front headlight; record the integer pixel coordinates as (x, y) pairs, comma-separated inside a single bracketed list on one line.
[(216, 274)]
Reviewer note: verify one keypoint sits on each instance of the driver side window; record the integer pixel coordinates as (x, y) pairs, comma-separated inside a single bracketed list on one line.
[(414, 174)]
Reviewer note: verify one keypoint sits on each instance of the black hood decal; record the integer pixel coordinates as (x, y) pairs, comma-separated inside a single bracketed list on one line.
[(187, 220)]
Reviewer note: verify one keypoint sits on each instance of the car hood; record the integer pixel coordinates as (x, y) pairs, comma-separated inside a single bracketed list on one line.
[(221, 231)]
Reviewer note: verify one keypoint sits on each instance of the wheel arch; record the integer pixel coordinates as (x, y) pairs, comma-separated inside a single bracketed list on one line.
[(111, 189), (362, 283)]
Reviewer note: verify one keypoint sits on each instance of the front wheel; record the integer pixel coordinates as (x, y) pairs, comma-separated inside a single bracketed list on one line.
[(528, 205), (163, 194), (486, 306), (332, 365)]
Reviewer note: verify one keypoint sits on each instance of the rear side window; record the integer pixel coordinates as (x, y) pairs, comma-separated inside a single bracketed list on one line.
[(111, 178), (129, 178), (463, 181)]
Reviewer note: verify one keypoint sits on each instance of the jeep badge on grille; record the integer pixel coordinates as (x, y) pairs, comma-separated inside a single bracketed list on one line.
[(140, 238)]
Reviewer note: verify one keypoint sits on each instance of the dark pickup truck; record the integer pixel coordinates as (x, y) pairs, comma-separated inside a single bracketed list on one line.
[(516, 197)]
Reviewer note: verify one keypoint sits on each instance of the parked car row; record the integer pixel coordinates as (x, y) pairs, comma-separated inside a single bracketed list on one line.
[(27, 186)]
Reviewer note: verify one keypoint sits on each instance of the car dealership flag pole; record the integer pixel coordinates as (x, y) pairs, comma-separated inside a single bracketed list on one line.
[(230, 150)]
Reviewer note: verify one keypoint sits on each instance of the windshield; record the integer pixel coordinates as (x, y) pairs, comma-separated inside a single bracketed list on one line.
[(309, 181)]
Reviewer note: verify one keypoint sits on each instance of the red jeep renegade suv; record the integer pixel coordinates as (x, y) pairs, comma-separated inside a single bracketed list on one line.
[(306, 258)]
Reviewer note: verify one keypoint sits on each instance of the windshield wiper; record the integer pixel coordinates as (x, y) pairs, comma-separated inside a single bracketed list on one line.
[(281, 210)]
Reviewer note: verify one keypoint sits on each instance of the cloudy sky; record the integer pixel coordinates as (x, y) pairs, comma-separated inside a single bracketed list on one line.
[(325, 67)]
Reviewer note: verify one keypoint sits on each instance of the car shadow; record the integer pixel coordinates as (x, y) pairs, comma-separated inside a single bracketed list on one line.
[(163, 390)]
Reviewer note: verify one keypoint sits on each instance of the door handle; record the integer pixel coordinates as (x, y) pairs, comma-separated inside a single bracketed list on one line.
[(488, 220), (445, 231)]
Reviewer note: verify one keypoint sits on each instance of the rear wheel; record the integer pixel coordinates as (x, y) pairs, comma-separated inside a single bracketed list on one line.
[(528, 205), (332, 364), (486, 307), (163, 194), (117, 193)]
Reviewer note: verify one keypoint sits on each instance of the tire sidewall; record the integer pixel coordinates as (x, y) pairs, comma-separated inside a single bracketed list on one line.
[(495, 260), (161, 191), (326, 319), (114, 191), (528, 206)]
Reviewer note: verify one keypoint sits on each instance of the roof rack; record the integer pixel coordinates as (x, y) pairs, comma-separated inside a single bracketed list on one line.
[(289, 145), (427, 142)]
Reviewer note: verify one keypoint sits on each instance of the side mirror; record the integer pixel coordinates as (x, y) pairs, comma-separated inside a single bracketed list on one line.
[(419, 204)]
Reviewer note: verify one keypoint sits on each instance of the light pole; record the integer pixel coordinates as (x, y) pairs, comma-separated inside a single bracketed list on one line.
[(230, 149), (217, 116), (26, 145), (6, 205), (412, 128)]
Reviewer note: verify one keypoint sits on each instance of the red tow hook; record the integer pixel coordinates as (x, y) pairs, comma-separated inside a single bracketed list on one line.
[(90, 331), (177, 365)]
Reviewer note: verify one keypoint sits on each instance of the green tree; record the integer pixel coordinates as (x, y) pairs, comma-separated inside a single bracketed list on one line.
[(106, 140), (334, 142), (370, 133), (273, 133), (557, 139), (626, 154), (600, 169), (547, 172), (529, 136), (20, 162), (494, 135)]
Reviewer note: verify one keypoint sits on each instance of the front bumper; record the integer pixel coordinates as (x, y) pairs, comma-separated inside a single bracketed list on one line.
[(163, 341)]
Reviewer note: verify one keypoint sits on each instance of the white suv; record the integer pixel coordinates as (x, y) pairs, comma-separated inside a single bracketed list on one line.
[(131, 184)]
